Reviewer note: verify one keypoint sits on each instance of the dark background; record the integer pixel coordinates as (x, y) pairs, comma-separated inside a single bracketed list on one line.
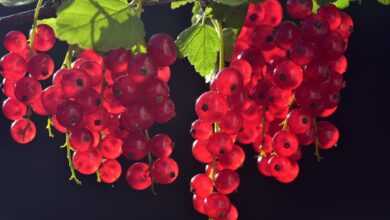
[(351, 183)]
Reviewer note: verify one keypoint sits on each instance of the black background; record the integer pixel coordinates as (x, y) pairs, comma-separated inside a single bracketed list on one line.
[(351, 183)]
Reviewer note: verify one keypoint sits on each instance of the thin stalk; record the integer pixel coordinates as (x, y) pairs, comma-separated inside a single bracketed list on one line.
[(35, 21)]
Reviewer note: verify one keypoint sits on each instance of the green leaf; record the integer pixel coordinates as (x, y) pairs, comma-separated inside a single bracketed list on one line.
[(99, 24), (200, 44), (342, 4), (229, 39), (316, 6), (179, 3), (11, 3), (231, 2), (385, 2), (338, 3), (233, 17)]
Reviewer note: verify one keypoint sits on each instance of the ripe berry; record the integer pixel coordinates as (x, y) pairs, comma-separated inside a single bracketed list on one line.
[(13, 66), (93, 70), (44, 38), (198, 204), (328, 134), (141, 68), (285, 143), (164, 170), (8, 88), (220, 144), (69, 114), (233, 159), (227, 181), (279, 166), (244, 68), (91, 55), (201, 130), (137, 117), (263, 166), (286, 34), (161, 145), (200, 152), (40, 66), (87, 162), (52, 97), (135, 147), (255, 15), (23, 131), (346, 27), (117, 60), (164, 73), (73, 82), (211, 106), (111, 147), (231, 123), (81, 139), (299, 9), (217, 205), (162, 49), (164, 112), (228, 81), (291, 174), (13, 109), (110, 171), (125, 90), (273, 12), (331, 14), (15, 41), (231, 215), (287, 75), (138, 176), (89, 100), (201, 185), (299, 121), (27, 90), (155, 92)]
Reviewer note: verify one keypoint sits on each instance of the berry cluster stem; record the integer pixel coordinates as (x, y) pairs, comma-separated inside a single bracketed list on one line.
[(49, 127), (219, 30), (35, 21), (150, 162), (73, 175)]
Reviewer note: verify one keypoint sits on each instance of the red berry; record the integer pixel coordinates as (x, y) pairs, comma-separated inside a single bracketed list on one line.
[(228, 81), (40, 66), (69, 114), (93, 70), (331, 14), (111, 147), (110, 171), (231, 215), (44, 38), (299, 121), (291, 175), (217, 205), (279, 166), (8, 88), (328, 134), (201, 130), (13, 66), (220, 144), (117, 60), (286, 34), (81, 139), (231, 123), (91, 55), (346, 27), (15, 41), (138, 176), (263, 166), (89, 100), (87, 162), (161, 145), (135, 147), (273, 12), (13, 109), (137, 117), (164, 170), (233, 159), (211, 106), (164, 112), (255, 15), (198, 204), (285, 143), (23, 131), (164, 73), (162, 49), (227, 181), (200, 152), (299, 9), (287, 75), (125, 90), (27, 90), (201, 185), (52, 97), (74, 81), (141, 68)]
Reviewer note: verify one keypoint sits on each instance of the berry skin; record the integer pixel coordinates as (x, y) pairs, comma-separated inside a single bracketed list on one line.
[(44, 38), (302, 52), (125, 90), (15, 41), (346, 27), (164, 73), (164, 170), (27, 90), (285, 143), (111, 147), (211, 106), (162, 49), (13, 109), (227, 181), (69, 114), (273, 12), (299, 9), (331, 14), (231, 215), (110, 171), (8, 88), (135, 147), (93, 70), (81, 139), (228, 81), (198, 204), (155, 92), (220, 144), (91, 55), (201, 130), (279, 166), (286, 34), (87, 162), (23, 131), (299, 121), (164, 112), (89, 100), (52, 97), (255, 15), (141, 68), (138, 176), (40, 66), (263, 166), (137, 117), (291, 175), (161, 145), (287, 75), (233, 159), (314, 28), (13, 66), (231, 123), (200, 152), (217, 205), (328, 134), (73, 82), (201, 185)]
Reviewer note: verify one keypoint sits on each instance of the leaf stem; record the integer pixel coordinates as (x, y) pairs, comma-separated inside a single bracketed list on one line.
[(35, 21)]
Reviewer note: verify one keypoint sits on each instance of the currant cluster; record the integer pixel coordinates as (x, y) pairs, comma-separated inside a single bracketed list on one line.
[(283, 76), (105, 104)]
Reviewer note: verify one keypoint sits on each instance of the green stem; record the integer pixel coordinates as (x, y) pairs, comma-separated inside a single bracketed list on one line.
[(73, 175), (49, 127), (219, 29), (150, 162), (68, 57), (35, 21)]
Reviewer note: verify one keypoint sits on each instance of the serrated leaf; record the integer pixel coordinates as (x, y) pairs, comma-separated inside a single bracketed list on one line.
[(12, 3), (229, 16), (384, 2), (231, 2), (200, 44), (229, 39), (341, 4), (179, 3), (99, 24), (52, 22)]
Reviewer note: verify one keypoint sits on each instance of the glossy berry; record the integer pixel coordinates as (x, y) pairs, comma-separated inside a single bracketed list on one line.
[(220, 144), (111, 147), (263, 166), (233, 159), (135, 147), (69, 114), (198, 204), (110, 171), (13, 66), (13, 109), (52, 97), (228, 81), (201, 185), (164, 170), (299, 9), (161, 145), (89, 100), (217, 205), (138, 176), (231, 215), (287, 75), (44, 38), (141, 68), (162, 49), (201, 130), (74, 81), (227, 181), (200, 152), (328, 134), (299, 121), (285, 143), (211, 106), (23, 131), (137, 117), (279, 166), (87, 162), (117, 60), (27, 90), (15, 41), (81, 139)]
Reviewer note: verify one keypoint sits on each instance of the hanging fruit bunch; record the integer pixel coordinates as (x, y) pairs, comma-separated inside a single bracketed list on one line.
[(284, 78), (104, 103)]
